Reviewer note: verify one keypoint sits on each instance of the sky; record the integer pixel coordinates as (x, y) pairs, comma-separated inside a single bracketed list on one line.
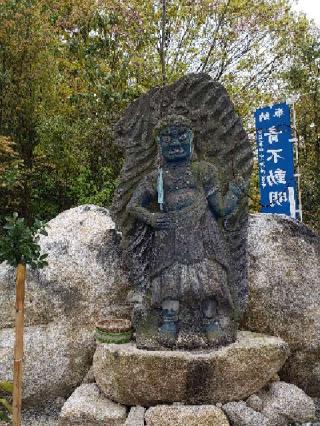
[(310, 7)]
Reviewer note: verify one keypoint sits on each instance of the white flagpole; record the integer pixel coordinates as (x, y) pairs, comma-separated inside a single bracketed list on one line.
[(296, 143)]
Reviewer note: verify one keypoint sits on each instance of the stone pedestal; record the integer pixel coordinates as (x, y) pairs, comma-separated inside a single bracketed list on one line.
[(134, 376)]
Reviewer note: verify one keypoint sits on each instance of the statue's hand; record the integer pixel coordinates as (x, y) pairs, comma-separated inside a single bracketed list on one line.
[(237, 188), (235, 192), (160, 221)]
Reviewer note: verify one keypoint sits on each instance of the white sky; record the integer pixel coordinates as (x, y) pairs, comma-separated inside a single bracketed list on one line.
[(310, 7)]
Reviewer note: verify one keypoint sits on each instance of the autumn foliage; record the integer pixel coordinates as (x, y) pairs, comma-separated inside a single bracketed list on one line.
[(68, 69)]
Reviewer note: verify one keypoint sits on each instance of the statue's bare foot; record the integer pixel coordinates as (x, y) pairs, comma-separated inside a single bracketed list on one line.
[(213, 331), (167, 334)]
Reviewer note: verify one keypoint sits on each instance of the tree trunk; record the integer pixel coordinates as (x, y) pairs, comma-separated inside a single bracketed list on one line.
[(18, 347)]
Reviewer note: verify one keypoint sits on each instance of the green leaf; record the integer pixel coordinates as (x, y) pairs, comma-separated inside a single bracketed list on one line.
[(8, 226), (6, 404), (20, 243), (6, 386)]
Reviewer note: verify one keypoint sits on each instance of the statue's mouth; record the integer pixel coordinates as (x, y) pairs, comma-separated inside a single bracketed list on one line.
[(176, 151)]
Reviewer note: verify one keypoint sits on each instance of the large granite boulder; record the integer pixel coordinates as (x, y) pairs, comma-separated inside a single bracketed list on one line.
[(82, 283), (56, 358), (284, 293), (83, 280), (134, 376)]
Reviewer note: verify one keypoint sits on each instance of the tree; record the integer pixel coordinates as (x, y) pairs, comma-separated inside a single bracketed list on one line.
[(68, 69), (303, 79), (26, 83), (19, 247)]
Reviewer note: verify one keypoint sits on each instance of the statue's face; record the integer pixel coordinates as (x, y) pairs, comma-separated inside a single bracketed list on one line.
[(176, 142)]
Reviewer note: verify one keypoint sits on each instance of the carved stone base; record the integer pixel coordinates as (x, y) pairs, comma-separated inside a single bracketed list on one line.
[(191, 334), (134, 376)]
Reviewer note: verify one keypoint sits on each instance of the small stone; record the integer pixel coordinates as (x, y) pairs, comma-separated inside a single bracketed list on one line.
[(136, 417), (89, 377), (188, 415), (289, 401), (275, 378), (87, 406), (240, 415), (134, 376), (255, 402)]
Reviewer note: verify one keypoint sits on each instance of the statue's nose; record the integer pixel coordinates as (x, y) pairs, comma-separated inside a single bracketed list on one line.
[(175, 142)]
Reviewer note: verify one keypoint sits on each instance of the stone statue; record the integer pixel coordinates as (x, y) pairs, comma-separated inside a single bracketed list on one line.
[(182, 207)]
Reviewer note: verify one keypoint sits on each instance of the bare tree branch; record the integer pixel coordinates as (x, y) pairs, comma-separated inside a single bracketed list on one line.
[(181, 41), (213, 44), (162, 42)]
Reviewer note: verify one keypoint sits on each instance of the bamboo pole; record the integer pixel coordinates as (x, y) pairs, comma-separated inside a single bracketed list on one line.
[(18, 346)]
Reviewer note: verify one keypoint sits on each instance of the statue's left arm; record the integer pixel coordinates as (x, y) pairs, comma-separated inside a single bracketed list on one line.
[(221, 204)]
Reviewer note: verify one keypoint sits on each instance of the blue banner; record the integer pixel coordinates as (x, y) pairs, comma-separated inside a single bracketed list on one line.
[(275, 159)]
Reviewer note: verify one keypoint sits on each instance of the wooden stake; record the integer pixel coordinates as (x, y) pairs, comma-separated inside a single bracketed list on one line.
[(18, 346)]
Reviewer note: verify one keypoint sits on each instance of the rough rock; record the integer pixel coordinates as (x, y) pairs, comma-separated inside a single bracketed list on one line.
[(288, 401), (83, 279), (240, 414), (87, 406), (280, 404), (47, 415), (134, 376), (303, 369), (192, 415), (89, 377), (255, 402), (57, 356), (81, 285), (84, 282), (284, 293), (136, 417)]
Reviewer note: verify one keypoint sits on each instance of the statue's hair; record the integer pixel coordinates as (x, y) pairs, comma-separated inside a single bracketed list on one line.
[(219, 139), (170, 120)]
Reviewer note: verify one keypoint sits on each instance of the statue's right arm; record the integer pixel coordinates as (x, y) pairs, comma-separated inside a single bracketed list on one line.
[(138, 206), (140, 202)]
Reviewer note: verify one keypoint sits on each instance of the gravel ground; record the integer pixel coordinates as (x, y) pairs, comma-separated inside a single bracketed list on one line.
[(43, 416)]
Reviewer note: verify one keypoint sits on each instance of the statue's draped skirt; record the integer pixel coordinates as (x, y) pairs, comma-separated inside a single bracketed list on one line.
[(190, 261)]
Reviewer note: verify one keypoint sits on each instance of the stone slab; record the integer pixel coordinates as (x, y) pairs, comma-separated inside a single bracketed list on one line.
[(191, 415), (134, 376), (87, 406)]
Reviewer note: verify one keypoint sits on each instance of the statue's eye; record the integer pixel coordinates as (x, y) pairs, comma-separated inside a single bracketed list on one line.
[(183, 137)]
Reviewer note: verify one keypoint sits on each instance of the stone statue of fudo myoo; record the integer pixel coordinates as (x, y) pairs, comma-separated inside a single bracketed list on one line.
[(181, 205)]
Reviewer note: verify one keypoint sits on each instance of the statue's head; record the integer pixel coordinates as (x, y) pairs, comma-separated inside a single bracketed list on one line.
[(174, 136)]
